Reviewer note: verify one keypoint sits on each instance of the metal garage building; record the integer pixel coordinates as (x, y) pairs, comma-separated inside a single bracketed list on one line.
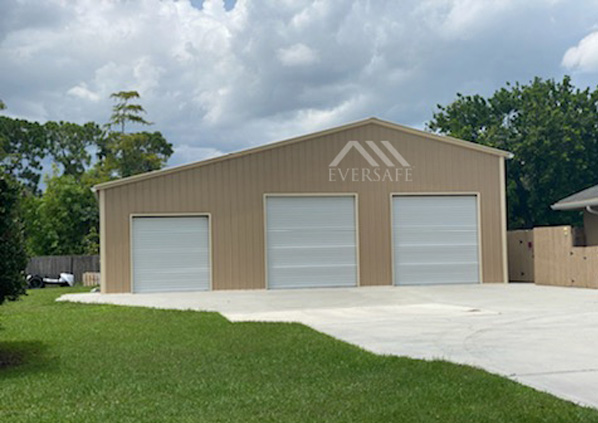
[(368, 203)]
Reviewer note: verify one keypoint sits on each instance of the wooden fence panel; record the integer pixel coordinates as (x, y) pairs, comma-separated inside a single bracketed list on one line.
[(52, 266), (91, 278), (520, 247), (559, 262), (82, 264)]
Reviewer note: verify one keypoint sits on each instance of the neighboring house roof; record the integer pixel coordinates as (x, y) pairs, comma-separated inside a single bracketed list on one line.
[(580, 200), (372, 120)]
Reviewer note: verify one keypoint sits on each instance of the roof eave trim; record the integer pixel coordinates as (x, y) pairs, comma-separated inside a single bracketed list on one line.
[(445, 138), (260, 148), (573, 205)]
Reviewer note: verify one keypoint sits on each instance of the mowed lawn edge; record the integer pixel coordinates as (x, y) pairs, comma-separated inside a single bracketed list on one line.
[(97, 363)]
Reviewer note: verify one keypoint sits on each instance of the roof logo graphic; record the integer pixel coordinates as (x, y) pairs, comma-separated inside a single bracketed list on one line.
[(399, 159)]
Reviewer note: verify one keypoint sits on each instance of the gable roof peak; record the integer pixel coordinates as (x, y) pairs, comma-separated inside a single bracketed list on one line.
[(370, 120)]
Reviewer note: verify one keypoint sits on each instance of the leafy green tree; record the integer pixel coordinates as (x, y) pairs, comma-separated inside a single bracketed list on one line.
[(130, 154), (70, 144), (64, 218), (91, 242), (552, 130), (124, 111), (23, 145), (60, 221), (13, 259), (121, 154), (2, 105)]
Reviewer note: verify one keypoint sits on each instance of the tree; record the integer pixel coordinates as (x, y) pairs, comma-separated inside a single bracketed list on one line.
[(552, 130), (121, 154), (60, 220), (64, 218), (23, 145), (123, 111), (2, 105), (69, 144), (13, 258), (130, 154)]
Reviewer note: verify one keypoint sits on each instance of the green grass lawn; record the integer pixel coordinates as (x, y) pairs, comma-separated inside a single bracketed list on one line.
[(62, 362)]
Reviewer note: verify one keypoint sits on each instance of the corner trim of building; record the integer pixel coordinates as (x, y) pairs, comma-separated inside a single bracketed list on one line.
[(102, 209), (503, 219)]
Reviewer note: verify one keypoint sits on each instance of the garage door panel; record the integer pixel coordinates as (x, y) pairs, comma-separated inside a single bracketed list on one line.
[(174, 282), (146, 231), (290, 212), (175, 272), (449, 202), (180, 257), (314, 255), (166, 273), (437, 254), (171, 254), (313, 276), (435, 240), (297, 237), (430, 236), (439, 274), (181, 253), (184, 239), (153, 269), (436, 211), (311, 241)]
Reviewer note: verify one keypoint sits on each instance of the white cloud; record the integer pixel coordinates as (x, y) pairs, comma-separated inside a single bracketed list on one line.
[(187, 153), (297, 55), (83, 92), (463, 18), (214, 80), (583, 56)]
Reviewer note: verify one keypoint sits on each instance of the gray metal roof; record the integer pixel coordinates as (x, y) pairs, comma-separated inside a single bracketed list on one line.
[(579, 200)]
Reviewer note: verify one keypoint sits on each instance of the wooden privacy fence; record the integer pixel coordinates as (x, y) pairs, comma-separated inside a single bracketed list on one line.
[(552, 255), (559, 261), (91, 278), (520, 247), (52, 266)]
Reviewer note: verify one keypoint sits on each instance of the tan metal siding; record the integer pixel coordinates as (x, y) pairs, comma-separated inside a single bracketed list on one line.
[(232, 191)]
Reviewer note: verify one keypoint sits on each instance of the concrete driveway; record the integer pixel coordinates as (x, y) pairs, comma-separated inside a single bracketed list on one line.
[(544, 337)]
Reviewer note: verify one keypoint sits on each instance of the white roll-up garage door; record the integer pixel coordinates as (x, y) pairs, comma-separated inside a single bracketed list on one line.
[(311, 241), (171, 254), (435, 240)]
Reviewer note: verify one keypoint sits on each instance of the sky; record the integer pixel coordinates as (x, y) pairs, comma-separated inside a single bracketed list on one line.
[(220, 76)]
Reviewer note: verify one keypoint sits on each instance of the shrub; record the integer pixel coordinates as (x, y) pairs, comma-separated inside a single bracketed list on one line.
[(13, 258)]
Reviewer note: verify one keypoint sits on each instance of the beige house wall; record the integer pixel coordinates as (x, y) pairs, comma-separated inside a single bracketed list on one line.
[(232, 191)]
